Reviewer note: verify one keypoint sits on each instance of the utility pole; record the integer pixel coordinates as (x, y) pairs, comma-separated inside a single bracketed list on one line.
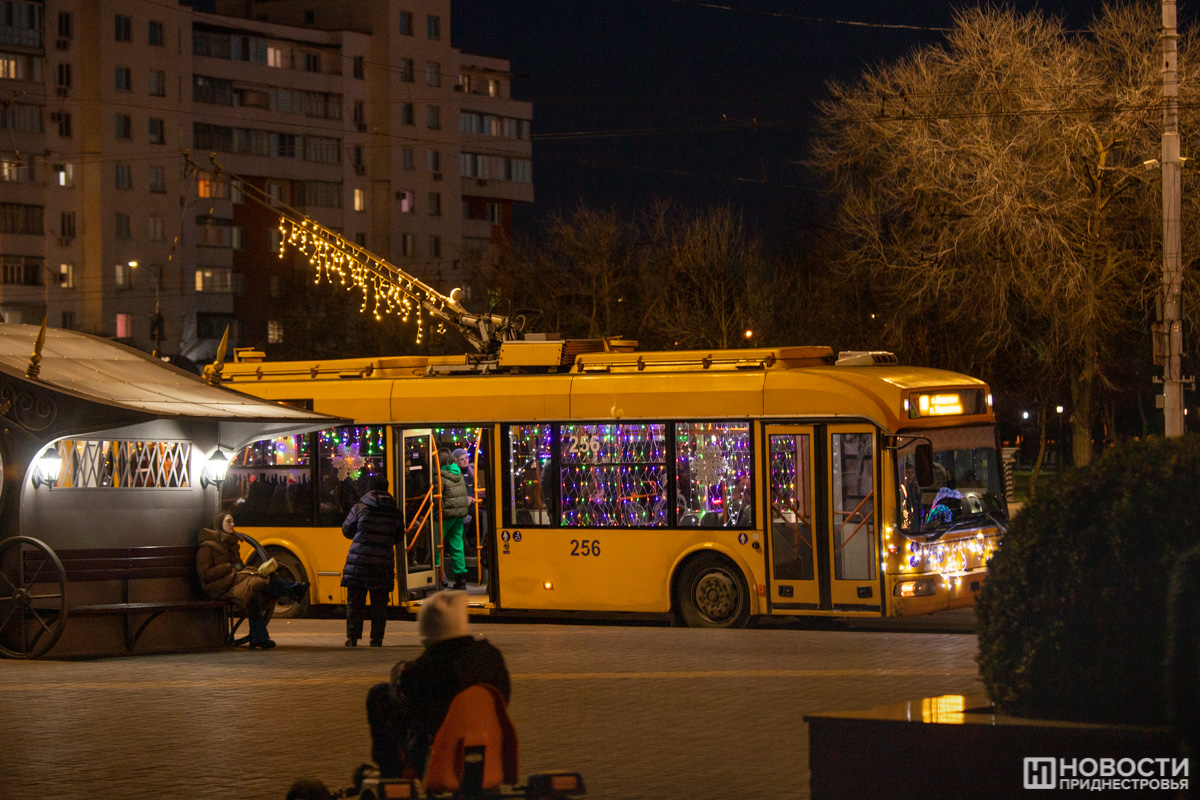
[(1170, 328)]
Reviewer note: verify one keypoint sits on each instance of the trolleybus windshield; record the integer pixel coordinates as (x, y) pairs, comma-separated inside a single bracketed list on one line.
[(968, 484)]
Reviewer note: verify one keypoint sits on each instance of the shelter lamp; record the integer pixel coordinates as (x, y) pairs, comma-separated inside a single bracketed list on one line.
[(45, 471), (214, 470)]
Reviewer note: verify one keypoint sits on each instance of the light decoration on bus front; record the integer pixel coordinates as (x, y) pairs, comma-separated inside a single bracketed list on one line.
[(951, 560)]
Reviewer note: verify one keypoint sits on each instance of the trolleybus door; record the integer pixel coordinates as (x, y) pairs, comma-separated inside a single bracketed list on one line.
[(419, 494), (853, 553), (793, 520)]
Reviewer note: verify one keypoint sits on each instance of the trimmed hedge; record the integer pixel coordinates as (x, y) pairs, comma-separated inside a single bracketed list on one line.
[(1071, 620)]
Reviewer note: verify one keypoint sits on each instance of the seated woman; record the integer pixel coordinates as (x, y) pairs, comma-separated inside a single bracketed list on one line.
[(223, 576)]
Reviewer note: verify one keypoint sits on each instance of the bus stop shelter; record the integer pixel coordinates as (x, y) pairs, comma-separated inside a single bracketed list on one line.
[(108, 451)]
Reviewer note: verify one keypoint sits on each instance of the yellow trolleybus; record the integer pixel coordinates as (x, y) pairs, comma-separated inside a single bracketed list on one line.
[(716, 486)]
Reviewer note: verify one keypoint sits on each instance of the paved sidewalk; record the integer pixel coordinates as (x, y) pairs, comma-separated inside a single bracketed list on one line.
[(643, 712)]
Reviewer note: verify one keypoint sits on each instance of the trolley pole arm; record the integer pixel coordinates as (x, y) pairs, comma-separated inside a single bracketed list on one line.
[(395, 290)]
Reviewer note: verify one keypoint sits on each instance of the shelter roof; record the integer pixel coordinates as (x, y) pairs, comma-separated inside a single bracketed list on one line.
[(104, 371)]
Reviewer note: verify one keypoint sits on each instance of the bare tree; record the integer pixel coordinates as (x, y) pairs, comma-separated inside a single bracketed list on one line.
[(993, 188)]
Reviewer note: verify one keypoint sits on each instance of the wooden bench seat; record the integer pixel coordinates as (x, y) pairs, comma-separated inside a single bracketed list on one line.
[(126, 568)]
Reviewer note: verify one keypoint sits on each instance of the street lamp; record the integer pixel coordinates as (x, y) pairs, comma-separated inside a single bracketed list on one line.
[(156, 320)]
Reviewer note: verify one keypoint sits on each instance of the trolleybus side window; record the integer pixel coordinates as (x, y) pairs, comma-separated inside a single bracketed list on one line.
[(853, 506), (713, 480), (269, 482), (613, 476), (530, 475), (349, 458)]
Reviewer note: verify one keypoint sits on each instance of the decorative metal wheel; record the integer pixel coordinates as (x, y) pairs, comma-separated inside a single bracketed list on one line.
[(33, 597)]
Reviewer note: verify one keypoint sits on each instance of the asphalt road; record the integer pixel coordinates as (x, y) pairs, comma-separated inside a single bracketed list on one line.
[(642, 711)]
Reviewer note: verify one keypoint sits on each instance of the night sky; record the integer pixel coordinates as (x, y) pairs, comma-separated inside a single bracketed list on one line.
[(697, 102)]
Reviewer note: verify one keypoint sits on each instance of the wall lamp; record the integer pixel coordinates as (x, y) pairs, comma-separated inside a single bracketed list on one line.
[(214, 470), (45, 471)]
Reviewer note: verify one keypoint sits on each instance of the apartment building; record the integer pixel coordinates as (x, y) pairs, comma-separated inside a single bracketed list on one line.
[(358, 113)]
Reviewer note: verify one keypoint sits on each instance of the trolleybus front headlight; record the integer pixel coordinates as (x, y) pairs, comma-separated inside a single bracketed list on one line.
[(925, 586)]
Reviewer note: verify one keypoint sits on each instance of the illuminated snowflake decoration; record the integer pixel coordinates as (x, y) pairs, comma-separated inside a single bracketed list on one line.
[(708, 465), (348, 462)]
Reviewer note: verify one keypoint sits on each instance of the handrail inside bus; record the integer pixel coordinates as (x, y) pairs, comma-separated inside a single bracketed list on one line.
[(849, 515)]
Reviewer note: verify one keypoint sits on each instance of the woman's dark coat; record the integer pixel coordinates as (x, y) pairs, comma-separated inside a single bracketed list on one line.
[(376, 526)]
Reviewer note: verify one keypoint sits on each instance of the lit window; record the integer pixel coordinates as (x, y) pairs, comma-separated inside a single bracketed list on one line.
[(275, 57), (124, 326), (407, 202), (360, 200), (713, 462), (66, 175), (66, 276), (123, 276), (274, 332)]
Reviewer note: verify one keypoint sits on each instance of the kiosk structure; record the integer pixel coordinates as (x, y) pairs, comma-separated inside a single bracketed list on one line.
[(112, 462)]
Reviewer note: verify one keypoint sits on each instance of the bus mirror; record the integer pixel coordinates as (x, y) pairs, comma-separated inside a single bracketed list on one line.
[(924, 458)]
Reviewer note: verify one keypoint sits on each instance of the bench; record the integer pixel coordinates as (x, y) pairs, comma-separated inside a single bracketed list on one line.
[(127, 568)]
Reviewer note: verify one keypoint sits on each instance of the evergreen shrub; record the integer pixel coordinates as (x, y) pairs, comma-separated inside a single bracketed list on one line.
[(1071, 620)]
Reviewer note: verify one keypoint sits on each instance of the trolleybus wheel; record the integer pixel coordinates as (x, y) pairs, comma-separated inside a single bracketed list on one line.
[(711, 593), (31, 620), (290, 569)]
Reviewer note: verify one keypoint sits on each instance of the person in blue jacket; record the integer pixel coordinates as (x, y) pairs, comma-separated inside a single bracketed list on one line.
[(375, 525)]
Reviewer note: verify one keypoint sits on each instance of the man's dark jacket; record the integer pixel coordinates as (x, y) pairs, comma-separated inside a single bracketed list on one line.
[(425, 688), (376, 526)]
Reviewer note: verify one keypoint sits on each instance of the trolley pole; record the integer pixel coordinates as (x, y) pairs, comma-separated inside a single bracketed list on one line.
[(1170, 329)]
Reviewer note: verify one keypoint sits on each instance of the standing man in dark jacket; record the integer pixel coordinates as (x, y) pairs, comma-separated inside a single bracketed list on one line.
[(405, 714), (375, 525)]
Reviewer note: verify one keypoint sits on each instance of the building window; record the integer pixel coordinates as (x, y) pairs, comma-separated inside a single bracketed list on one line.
[(358, 114), (360, 239), (213, 279), (157, 83), (66, 225), (276, 287), (64, 76), (407, 203), (66, 26), (471, 165), (406, 158), (435, 161), (124, 226), (360, 67), (63, 118), (433, 73), (158, 134), (158, 180), (433, 118), (406, 114), (435, 247), (13, 168), (406, 23), (156, 36), (435, 204), (277, 57), (123, 276), (208, 187), (406, 244), (123, 28), (68, 321), (274, 331), (360, 200), (20, 218), (124, 81), (312, 62), (66, 276), (124, 126), (154, 228), (66, 175), (406, 70), (124, 326), (124, 176), (433, 26), (493, 213)]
